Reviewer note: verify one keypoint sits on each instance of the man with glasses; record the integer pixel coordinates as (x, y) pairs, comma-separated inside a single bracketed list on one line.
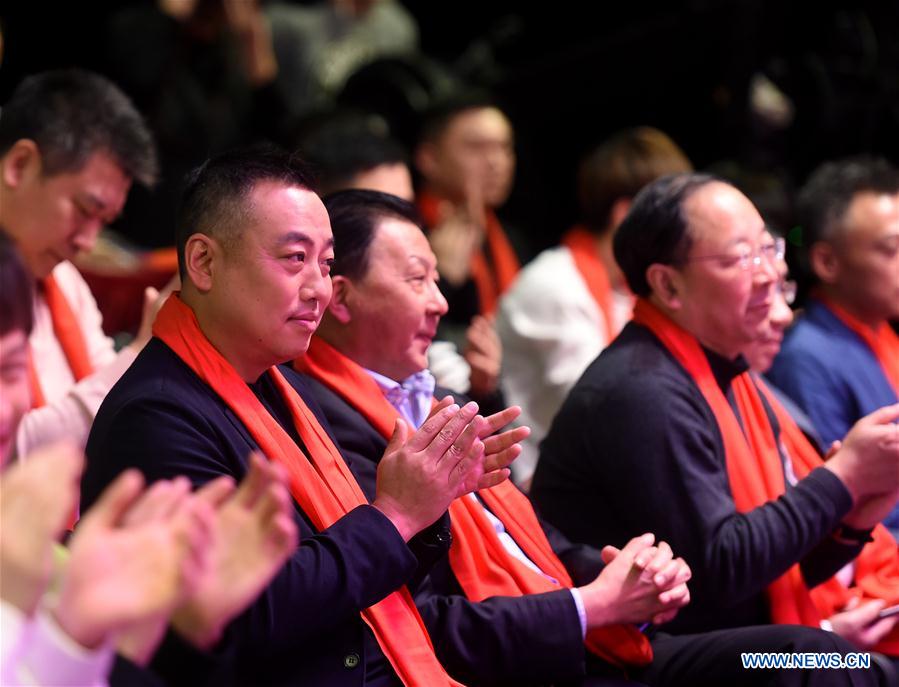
[(841, 361), (858, 621), (652, 436)]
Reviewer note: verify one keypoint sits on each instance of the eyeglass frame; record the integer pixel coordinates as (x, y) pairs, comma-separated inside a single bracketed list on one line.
[(788, 289), (750, 258)]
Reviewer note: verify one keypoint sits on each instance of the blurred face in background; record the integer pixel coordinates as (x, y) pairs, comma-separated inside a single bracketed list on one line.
[(54, 217), (474, 155), (760, 353), (15, 391), (393, 178), (863, 258)]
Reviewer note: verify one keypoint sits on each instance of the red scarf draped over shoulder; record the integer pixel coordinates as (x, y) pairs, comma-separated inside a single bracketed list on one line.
[(882, 341), (582, 245), (492, 278), (68, 333), (479, 560), (756, 476), (320, 482)]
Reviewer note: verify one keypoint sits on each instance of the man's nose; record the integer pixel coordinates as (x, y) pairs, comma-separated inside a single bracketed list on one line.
[(86, 236), (437, 303)]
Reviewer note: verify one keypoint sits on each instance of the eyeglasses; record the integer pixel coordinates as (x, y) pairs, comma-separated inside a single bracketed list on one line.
[(747, 258), (787, 289)]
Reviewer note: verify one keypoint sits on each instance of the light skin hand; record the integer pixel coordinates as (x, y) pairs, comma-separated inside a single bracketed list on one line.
[(153, 302), (500, 450), (420, 474), (37, 496), (123, 571), (248, 24), (867, 463), (624, 592), (484, 355), (180, 10), (858, 623), (458, 234), (255, 534)]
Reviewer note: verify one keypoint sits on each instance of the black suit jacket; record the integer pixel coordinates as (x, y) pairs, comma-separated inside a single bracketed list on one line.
[(530, 639), (305, 628)]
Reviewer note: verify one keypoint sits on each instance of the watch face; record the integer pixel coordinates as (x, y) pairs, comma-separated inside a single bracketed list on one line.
[(851, 534)]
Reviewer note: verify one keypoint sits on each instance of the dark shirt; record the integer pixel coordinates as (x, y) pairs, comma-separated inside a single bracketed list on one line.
[(306, 627), (635, 448)]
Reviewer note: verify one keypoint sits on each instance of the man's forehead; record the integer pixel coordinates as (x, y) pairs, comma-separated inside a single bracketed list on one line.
[(715, 210), (100, 189), (874, 213), (402, 240), (480, 122)]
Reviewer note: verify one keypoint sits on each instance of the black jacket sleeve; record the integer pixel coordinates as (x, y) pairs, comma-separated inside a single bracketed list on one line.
[(648, 457), (333, 574)]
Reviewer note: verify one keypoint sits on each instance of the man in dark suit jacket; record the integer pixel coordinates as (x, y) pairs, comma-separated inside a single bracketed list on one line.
[(384, 310), (252, 232)]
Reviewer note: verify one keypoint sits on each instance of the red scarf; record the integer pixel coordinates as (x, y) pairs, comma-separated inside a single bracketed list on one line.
[(492, 278), (882, 341), (69, 335), (320, 483), (582, 245), (479, 560), (756, 476)]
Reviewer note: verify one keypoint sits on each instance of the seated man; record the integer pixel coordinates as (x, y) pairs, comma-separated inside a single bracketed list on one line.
[(571, 301), (70, 145), (136, 557), (504, 608), (255, 250), (351, 151), (355, 151), (841, 360), (653, 436), (852, 599), (466, 158)]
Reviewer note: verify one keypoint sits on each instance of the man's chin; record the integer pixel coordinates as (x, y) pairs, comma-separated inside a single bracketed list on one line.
[(6, 448), (42, 266), (298, 347)]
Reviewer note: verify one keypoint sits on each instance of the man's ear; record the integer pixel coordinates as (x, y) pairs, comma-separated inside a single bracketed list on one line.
[(824, 261), (341, 294), (22, 162), (200, 254), (619, 211), (425, 159), (666, 285)]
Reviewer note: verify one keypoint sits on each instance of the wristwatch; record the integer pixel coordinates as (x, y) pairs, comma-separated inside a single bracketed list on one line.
[(850, 535)]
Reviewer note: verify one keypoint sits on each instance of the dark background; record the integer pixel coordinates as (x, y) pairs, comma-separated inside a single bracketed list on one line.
[(570, 73)]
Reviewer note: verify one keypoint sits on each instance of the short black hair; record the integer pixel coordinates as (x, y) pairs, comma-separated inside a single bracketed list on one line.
[(829, 191), (16, 289), (620, 166), (346, 145), (215, 199), (71, 114), (443, 111), (355, 216), (655, 229)]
